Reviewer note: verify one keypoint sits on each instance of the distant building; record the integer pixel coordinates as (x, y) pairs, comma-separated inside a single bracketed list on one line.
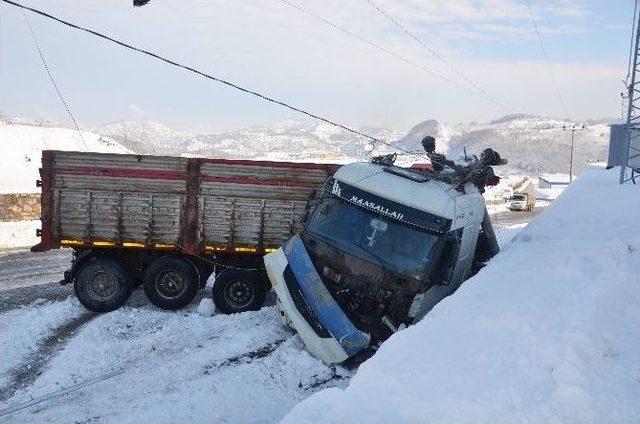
[(552, 180)]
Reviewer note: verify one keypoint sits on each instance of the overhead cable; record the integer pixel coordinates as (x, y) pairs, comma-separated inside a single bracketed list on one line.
[(383, 49), (546, 59), (437, 55), (53, 81), (213, 78)]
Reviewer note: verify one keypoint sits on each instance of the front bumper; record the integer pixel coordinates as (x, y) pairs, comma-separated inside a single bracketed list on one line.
[(306, 305)]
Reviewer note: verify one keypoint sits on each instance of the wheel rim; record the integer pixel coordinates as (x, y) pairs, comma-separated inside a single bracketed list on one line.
[(103, 286), (239, 293), (170, 284)]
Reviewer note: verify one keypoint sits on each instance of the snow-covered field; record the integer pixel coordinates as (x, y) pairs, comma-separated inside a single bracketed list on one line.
[(548, 332)]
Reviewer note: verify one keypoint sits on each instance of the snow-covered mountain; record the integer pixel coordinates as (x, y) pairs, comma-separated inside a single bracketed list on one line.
[(283, 140), (531, 144), (21, 146)]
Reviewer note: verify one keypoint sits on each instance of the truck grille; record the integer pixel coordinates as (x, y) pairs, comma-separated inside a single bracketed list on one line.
[(301, 304)]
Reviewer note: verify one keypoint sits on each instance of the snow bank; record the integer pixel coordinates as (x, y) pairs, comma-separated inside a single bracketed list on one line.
[(547, 333), (505, 235), (18, 234), (21, 152)]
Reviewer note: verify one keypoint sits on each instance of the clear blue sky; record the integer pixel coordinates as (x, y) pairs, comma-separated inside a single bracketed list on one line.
[(271, 47)]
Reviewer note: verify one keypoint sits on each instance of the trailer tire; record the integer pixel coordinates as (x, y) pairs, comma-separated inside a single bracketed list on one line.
[(102, 285), (171, 283), (239, 290)]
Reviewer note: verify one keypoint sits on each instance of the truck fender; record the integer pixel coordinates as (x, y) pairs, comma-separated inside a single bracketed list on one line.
[(79, 259)]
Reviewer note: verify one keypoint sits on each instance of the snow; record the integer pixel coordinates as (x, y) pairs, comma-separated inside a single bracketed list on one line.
[(548, 332), (549, 193), (36, 323), (21, 148), (206, 308), (555, 178), (171, 367), (505, 235), (18, 234), (188, 366)]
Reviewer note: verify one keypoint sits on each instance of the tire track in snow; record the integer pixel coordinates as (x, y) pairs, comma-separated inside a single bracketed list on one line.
[(26, 373)]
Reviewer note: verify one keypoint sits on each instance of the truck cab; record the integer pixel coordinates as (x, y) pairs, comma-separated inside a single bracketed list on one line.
[(380, 247), (519, 202)]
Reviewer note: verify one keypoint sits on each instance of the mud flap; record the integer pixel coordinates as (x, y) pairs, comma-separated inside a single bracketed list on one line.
[(316, 295)]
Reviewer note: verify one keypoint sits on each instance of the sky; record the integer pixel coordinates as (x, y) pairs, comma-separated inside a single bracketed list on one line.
[(476, 60)]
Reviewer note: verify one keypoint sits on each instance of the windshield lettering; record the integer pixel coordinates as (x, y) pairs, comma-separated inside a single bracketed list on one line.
[(377, 208)]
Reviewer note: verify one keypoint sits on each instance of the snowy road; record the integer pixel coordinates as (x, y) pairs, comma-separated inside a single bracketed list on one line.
[(21, 268), (141, 364)]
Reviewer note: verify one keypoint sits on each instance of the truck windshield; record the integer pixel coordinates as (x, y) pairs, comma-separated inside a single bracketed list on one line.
[(519, 197), (400, 247)]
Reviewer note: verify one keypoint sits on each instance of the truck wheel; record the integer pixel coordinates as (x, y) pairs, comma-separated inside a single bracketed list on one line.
[(102, 285), (239, 290), (171, 283)]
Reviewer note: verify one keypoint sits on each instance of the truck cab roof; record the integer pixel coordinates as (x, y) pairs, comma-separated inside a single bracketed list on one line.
[(414, 189)]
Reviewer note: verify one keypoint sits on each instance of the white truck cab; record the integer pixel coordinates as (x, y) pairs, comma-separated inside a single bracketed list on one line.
[(381, 246)]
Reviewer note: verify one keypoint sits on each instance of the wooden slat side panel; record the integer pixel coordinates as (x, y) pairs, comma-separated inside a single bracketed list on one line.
[(225, 223), (143, 185), (251, 191), (314, 176), (113, 160), (119, 217)]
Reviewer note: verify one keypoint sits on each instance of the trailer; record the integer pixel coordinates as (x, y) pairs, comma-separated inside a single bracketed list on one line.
[(169, 223)]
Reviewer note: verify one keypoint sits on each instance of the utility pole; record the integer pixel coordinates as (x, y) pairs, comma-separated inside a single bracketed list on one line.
[(573, 128), (630, 166)]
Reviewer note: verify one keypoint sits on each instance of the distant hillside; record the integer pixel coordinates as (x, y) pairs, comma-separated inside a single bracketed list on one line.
[(532, 144), (287, 139), (22, 145)]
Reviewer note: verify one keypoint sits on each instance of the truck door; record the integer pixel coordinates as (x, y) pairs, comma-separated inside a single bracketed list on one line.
[(442, 276), (465, 258)]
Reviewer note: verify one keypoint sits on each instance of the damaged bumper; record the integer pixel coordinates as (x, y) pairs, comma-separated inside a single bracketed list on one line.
[(306, 304)]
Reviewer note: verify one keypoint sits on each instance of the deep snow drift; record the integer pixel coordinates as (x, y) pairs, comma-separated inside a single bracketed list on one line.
[(548, 332)]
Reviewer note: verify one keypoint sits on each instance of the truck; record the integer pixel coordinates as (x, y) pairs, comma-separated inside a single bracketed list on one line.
[(381, 245), (169, 223), (524, 196)]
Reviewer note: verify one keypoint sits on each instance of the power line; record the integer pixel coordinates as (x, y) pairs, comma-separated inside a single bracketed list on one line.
[(546, 59), (53, 81), (385, 50), (211, 77), (436, 55)]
